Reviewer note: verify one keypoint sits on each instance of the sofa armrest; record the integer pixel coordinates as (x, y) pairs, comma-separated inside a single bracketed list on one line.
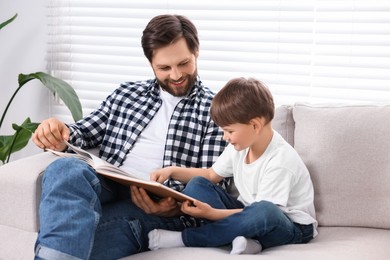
[(20, 190)]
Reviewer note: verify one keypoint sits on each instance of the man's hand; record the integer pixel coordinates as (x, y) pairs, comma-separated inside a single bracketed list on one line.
[(166, 207), (50, 134)]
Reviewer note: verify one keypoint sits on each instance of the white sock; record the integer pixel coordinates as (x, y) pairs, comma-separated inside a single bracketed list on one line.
[(242, 245), (160, 238)]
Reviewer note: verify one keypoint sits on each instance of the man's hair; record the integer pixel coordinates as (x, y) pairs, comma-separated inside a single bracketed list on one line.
[(166, 29), (241, 100)]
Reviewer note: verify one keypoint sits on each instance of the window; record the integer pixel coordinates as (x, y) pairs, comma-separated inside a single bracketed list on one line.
[(310, 51)]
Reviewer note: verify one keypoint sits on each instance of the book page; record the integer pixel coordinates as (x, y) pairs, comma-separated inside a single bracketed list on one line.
[(71, 155), (89, 158), (115, 173), (98, 163)]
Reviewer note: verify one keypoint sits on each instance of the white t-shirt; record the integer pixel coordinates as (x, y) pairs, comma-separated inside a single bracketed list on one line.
[(278, 175), (148, 152)]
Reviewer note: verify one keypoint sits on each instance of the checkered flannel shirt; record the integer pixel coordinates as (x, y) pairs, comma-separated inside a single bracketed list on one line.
[(193, 139)]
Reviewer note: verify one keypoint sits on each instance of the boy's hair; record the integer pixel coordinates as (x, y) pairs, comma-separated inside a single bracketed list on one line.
[(241, 100), (166, 29)]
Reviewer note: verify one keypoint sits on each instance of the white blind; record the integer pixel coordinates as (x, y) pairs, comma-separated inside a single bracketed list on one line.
[(315, 51)]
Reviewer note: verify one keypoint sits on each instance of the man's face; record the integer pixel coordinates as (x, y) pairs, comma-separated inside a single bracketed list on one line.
[(175, 68)]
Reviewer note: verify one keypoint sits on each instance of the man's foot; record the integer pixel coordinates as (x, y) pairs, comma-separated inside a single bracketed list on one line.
[(159, 238), (242, 245)]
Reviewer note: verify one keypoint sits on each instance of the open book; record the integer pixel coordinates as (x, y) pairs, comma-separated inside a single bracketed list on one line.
[(115, 173)]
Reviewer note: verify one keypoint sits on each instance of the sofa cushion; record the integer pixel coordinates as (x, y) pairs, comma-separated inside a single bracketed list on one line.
[(340, 243), (20, 186), (283, 123), (347, 151)]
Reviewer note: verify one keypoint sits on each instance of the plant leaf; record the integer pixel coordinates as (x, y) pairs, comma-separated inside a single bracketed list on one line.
[(65, 92), (5, 146), (23, 134), (16, 142), (8, 21)]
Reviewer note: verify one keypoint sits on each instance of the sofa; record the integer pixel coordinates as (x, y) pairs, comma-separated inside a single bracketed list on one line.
[(346, 148)]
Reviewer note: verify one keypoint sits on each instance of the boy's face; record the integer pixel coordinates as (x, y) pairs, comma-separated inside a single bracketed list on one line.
[(175, 68), (241, 136)]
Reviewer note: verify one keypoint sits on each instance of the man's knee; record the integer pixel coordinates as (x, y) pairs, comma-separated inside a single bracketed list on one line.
[(68, 170)]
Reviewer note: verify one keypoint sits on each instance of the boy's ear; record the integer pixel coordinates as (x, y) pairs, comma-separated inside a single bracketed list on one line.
[(257, 123)]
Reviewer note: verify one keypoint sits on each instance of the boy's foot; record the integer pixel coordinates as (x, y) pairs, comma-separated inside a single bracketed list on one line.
[(242, 245)]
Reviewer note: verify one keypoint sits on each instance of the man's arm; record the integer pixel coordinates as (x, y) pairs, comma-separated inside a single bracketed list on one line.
[(212, 145)]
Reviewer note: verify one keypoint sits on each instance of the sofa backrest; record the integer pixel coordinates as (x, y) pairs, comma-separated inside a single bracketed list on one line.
[(284, 124), (347, 151)]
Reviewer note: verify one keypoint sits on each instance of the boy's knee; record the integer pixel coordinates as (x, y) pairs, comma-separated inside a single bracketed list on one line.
[(265, 204), (195, 186), (266, 208), (198, 180)]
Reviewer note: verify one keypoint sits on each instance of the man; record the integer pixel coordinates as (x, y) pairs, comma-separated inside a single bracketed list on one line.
[(140, 127)]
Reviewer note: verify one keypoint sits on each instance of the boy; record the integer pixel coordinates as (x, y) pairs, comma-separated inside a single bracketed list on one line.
[(275, 204)]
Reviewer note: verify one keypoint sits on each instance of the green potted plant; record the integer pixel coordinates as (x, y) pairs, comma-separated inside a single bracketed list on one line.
[(13, 143)]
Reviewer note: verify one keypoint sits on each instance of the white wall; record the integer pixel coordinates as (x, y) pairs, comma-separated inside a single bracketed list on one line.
[(22, 50)]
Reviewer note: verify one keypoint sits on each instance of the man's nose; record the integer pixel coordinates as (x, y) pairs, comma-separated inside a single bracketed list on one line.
[(176, 74)]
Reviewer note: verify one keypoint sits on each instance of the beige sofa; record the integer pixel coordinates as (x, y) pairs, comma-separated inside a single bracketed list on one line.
[(345, 147)]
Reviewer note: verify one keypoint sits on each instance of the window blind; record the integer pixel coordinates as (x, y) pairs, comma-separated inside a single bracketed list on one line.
[(310, 51)]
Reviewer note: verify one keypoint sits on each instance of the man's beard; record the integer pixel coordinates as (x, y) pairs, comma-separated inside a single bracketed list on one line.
[(182, 91)]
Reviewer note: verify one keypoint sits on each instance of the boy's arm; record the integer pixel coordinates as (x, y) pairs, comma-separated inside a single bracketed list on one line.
[(184, 174), (203, 210)]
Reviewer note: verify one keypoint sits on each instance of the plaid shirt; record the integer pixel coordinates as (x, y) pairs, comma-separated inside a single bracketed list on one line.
[(193, 139)]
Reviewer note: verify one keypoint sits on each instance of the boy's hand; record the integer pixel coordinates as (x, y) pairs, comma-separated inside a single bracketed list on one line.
[(200, 209), (161, 175), (197, 209)]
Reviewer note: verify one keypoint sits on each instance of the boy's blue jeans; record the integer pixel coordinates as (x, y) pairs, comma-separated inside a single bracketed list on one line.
[(83, 216), (262, 221)]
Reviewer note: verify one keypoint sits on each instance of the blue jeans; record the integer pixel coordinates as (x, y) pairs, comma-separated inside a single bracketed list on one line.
[(263, 221), (84, 216)]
